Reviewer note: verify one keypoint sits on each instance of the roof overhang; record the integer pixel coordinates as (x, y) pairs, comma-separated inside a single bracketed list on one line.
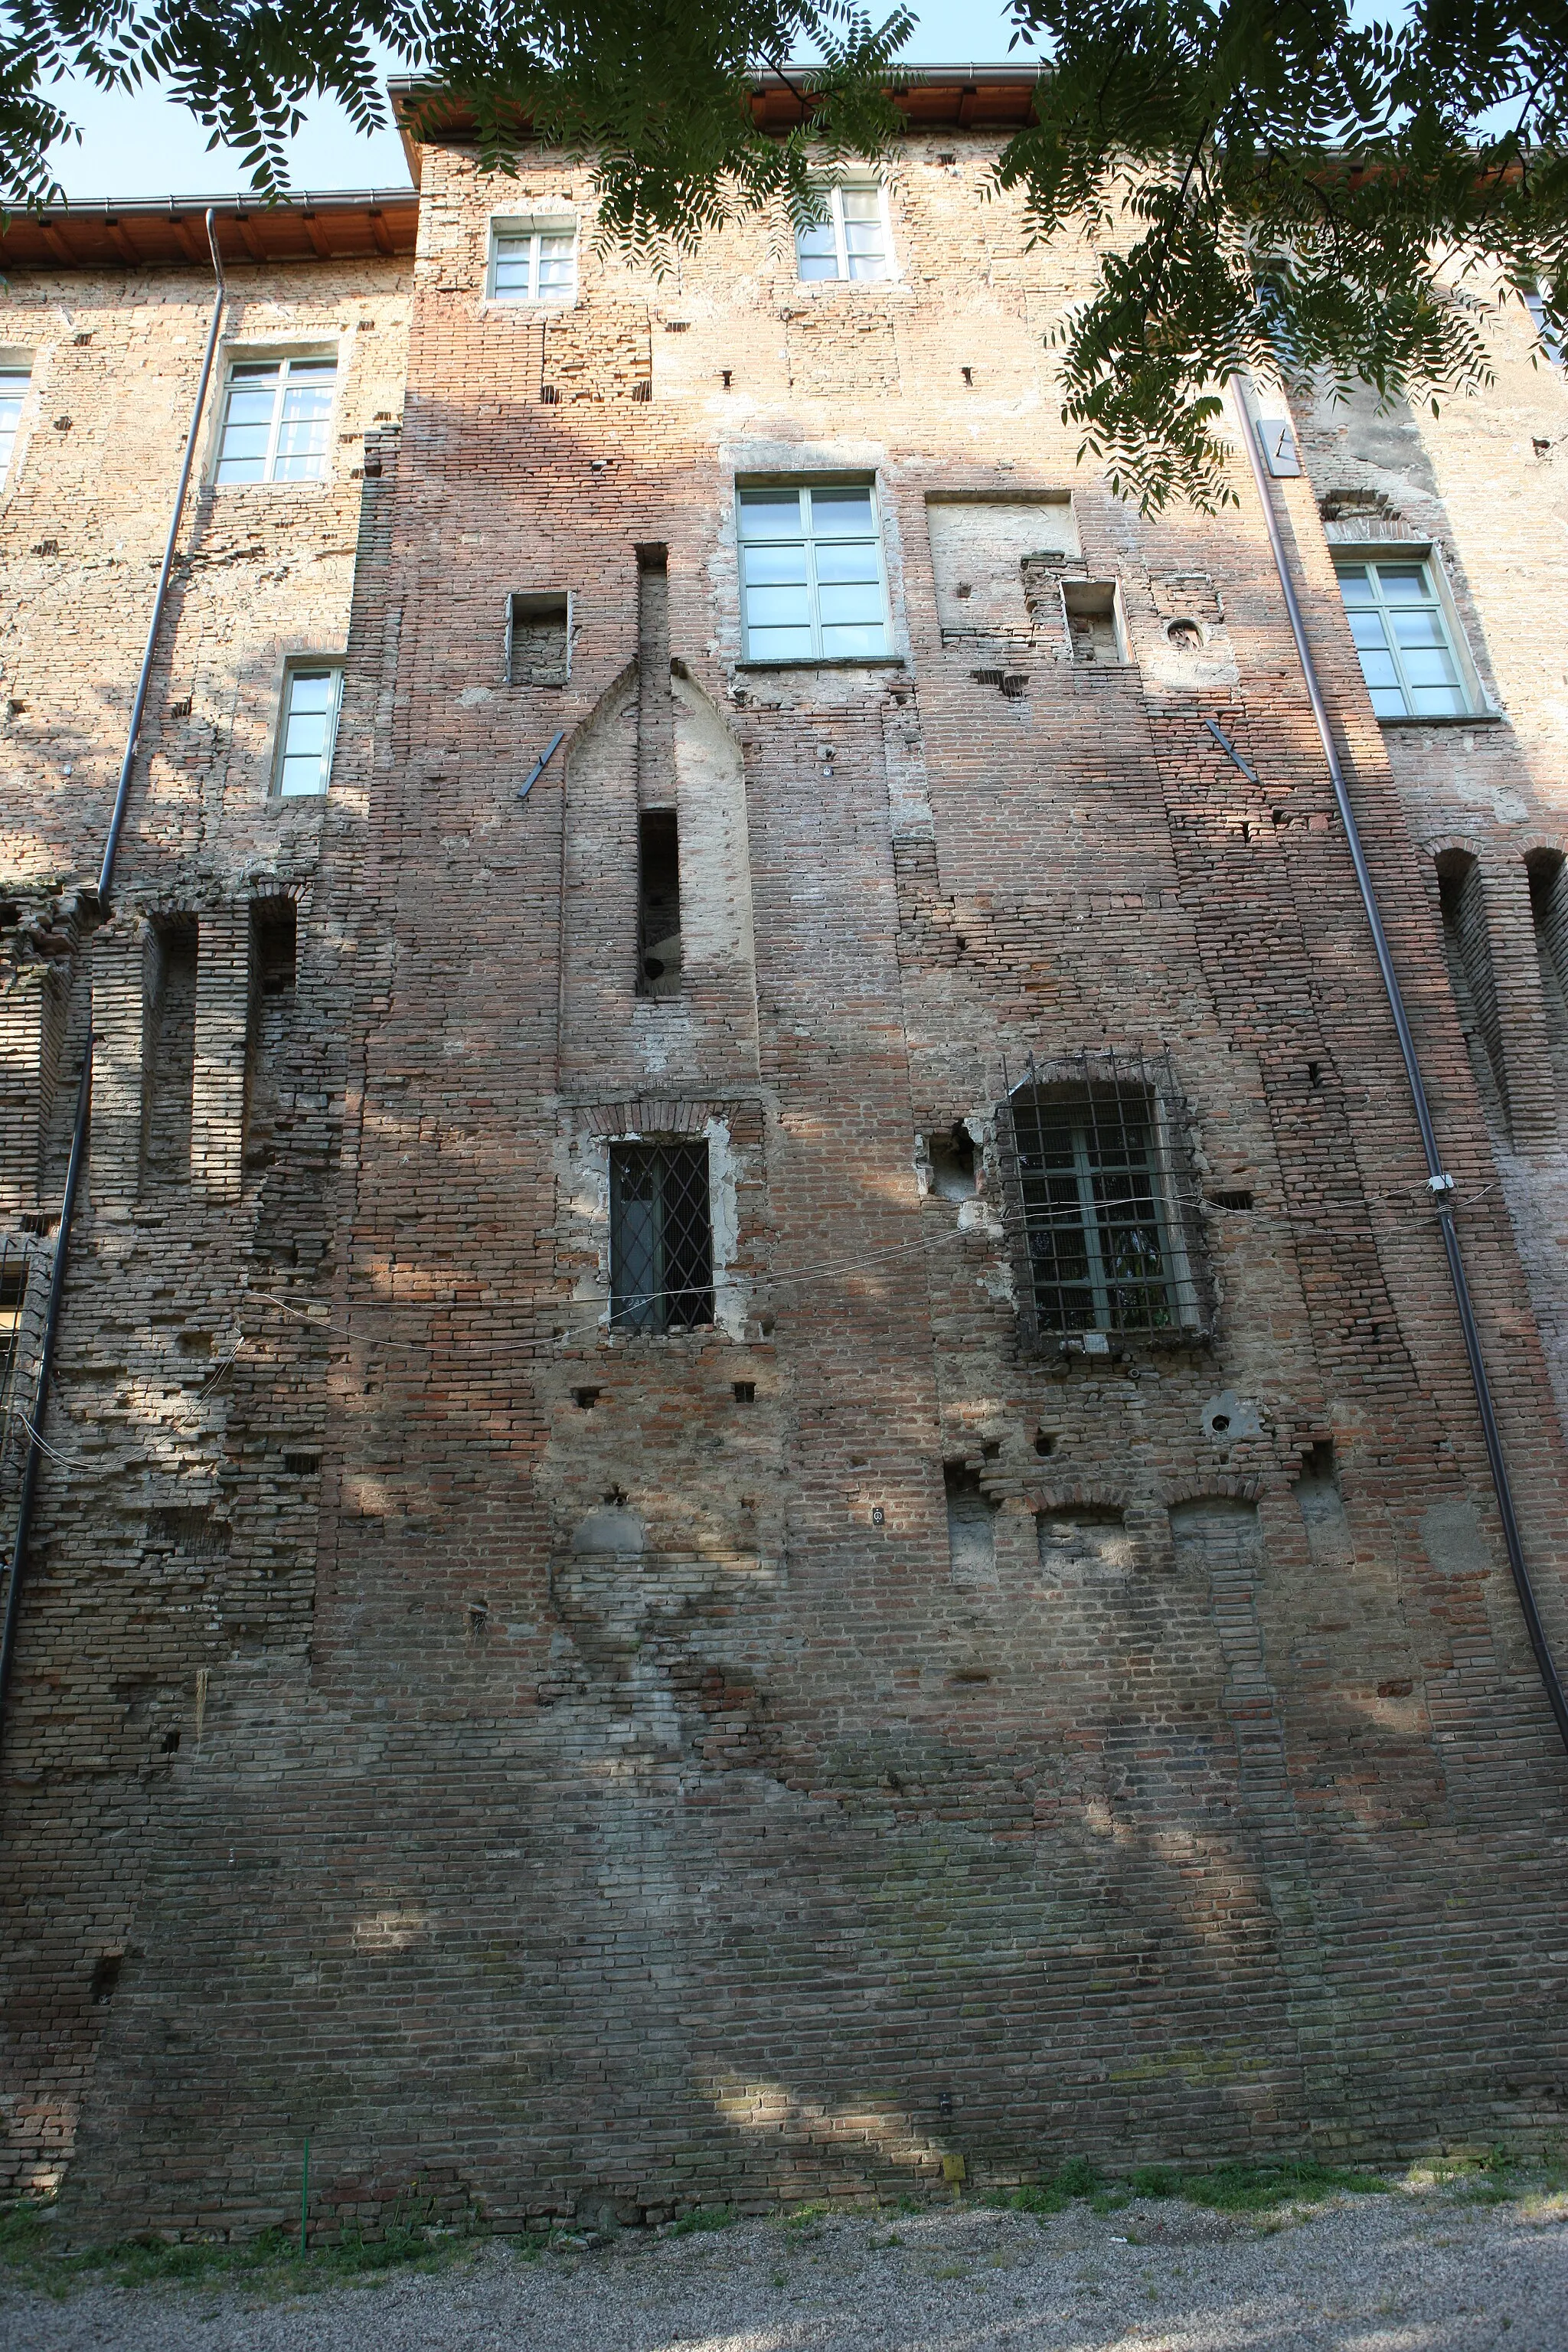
[(352, 226), (961, 97)]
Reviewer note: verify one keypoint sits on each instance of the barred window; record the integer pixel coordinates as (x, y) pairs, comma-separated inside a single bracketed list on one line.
[(1108, 1226), (661, 1237)]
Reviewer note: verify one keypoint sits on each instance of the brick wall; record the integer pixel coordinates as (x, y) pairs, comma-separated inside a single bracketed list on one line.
[(775, 1757)]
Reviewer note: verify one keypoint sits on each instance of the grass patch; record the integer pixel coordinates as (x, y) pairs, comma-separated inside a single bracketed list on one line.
[(270, 2263), (805, 2215), (1259, 2188), (706, 2217)]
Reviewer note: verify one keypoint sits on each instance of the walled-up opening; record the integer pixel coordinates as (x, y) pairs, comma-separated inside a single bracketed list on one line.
[(1094, 624), (1466, 943), (970, 1526), (538, 637), (273, 952), (1548, 872), (658, 903), (952, 1171), (1087, 1542), (169, 1053)]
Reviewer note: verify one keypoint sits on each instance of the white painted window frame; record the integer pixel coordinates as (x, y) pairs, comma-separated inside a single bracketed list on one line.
[(309, 355), (833, 189), (16, 363), (307, 666), (816, 658), (533, 226)]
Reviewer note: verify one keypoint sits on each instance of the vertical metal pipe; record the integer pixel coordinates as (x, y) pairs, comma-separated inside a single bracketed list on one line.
[(84, 1091), (1440, 1183)]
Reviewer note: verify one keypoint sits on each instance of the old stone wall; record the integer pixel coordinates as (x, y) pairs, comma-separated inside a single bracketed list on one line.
[(788, 1755)]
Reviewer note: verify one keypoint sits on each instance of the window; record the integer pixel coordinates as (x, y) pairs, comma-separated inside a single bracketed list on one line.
[(1549, 339), (534, 261), (309, 729), (811, 572), (277, 421), (852, 241), (661, 1242), (13, 383), (1100, 1215), (1404, 637)]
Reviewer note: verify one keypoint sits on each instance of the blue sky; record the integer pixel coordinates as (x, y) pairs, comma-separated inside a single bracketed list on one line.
[(146, 146)]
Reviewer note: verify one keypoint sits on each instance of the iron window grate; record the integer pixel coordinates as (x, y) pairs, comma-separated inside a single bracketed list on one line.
[(661, 1237), (1105, 1208)]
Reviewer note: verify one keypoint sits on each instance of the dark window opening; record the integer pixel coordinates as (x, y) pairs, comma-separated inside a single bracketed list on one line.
[(1109, 1228), (952, 1170), (658, 903), (274, 949), (168, 1064), (1548, 874), (301, 1465), (661, 1239), (1466, 942), (745, 1391)]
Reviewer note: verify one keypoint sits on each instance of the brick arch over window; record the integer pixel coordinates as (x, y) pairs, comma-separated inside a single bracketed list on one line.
[(1468, 946)]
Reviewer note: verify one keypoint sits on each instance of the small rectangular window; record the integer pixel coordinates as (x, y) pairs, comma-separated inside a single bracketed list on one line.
[(852, 241), (538, 636), (14, 384), (534, 261), (1404, 637), (277, 421), (661, 1237), (307, 728), (811, 572)]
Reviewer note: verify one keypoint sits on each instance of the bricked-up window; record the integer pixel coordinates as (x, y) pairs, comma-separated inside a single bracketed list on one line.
[(1106, 1209), (307, 728), (14, 384), (853, 241), (812, 587), (534, 261), (277, 421), (661, 1237), (1404, 637)]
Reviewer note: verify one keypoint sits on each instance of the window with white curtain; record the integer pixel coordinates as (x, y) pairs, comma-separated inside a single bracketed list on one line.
[(14, 384), (534, 261)]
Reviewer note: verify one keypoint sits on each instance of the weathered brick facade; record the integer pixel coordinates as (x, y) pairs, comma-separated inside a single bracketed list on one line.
[(580, 1768)]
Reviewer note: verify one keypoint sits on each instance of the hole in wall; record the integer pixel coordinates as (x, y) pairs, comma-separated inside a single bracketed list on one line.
[(658, 903), (586, 1398), (1046, 1443), (745, 1391), (105, 1976), (170, 1743), (1185, 636), (970, 1525), (952, 1170), (1231, 1200), (536, 646), (301, 1465)]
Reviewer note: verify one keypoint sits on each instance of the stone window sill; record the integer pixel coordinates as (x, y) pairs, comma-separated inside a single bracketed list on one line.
[(814, 661), (1450, 719)]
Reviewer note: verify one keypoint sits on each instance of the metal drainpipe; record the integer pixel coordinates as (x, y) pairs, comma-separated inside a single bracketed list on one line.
[(84, 1091), (1439, 1183)]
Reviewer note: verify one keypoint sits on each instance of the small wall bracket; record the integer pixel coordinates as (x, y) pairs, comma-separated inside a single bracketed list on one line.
[(540, 764)]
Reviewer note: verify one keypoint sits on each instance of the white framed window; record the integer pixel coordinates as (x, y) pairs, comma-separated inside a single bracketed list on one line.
[(14, 384), (1551, 341), (812, 583), (277, 421), (1407, 633), (307, 728), (854, 241), (534, 261)]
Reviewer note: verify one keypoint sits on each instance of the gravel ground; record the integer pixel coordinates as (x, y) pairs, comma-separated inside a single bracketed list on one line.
[(1414, 2271)]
